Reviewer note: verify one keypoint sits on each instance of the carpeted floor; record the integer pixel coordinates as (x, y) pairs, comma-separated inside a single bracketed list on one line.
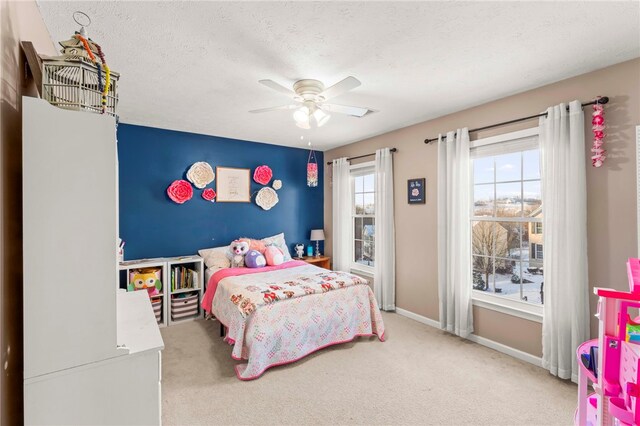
[(420, 375)]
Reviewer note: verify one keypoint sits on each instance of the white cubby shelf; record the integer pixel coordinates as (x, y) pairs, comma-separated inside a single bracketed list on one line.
[(169, 293)]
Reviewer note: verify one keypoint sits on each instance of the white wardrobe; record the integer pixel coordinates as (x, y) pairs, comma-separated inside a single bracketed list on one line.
[(91, 353)]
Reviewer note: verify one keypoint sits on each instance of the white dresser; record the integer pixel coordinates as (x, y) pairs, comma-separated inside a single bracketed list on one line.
[(91, 355)]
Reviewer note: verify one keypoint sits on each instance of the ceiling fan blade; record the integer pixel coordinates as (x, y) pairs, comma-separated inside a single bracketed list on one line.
[(277, 87), (277, 108), (345, 109), (341, 87)]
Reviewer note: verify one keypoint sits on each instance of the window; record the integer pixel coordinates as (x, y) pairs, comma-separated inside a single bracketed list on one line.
[(363, 216), (506, 222), (537, 228), (536, 251)]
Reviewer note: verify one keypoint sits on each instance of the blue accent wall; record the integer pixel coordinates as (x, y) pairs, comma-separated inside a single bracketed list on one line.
[(154, 226)]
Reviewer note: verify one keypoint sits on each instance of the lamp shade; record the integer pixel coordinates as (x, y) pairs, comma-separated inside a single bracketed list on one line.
[(321, 117), (301, 115), (317, 235)]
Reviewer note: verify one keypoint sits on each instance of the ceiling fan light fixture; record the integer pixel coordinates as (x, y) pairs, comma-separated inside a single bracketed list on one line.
[(303, 124), (301, 115), (309, 96), (321, 117)]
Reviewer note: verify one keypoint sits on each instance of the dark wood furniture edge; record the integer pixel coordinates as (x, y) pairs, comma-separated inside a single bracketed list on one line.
[(33, 64)]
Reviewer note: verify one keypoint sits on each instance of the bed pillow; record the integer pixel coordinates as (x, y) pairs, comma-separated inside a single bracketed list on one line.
[(278, 241), (215, 257)]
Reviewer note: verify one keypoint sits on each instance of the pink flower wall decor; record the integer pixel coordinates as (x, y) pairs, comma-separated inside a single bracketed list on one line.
[(597, 126), (262, 175), (180, 191), (209, 194)]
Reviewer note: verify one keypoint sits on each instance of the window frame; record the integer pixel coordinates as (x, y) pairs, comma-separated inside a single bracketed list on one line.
[(355, 170), (479, 298), (537, 228), (539, 250)]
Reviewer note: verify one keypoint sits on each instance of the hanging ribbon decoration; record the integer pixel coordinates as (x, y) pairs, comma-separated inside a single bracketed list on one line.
[(597, 123), (312, 170), (104, 88)]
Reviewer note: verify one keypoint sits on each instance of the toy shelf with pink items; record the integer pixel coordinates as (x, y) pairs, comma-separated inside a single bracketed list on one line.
[(612, 362)]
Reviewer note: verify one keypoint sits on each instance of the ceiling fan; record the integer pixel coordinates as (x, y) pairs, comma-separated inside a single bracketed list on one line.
[(310, 97)]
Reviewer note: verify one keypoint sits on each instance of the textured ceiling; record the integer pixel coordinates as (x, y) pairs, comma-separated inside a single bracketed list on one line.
[(195, 66)]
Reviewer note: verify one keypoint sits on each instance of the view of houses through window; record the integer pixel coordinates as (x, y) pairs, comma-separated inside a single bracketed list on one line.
[(363, 218), (506, 226)]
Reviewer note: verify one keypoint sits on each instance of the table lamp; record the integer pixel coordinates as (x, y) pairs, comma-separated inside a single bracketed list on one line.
[(317, 235)]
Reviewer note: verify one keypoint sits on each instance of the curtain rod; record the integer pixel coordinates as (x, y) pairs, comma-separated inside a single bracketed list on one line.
[(361, 156), (603, 100)]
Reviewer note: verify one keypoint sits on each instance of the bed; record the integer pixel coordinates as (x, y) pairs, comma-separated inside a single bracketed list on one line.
[(279, 314)]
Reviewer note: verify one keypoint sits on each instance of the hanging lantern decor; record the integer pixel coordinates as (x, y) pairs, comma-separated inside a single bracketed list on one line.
[(312, 170), (597, 126), (80, 78)]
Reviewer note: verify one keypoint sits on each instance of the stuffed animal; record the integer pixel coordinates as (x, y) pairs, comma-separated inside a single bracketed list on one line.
[(254, 259), (145, 279), (254, 244), (273, 255), (238, 250)]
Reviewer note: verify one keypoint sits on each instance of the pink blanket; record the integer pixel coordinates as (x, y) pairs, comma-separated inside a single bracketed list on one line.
[(207, 300)]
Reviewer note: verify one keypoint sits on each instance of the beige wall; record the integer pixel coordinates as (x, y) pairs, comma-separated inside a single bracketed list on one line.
[(19, 21), (611, 189)]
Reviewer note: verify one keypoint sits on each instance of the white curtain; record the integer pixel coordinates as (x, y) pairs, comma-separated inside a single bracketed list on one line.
[(566, 290), (342, 206), (384, 281), (454, 233)]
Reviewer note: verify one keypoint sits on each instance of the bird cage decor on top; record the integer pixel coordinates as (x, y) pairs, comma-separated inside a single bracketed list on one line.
[(80, 78)]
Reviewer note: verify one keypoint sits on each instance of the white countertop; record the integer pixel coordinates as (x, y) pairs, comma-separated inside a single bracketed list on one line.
[(137, 327)]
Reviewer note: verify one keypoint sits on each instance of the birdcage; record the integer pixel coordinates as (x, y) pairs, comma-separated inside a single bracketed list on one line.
[(74, 81)]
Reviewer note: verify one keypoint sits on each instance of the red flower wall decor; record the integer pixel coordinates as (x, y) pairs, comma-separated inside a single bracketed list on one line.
[(209, 194), (180, 191), (262, 175)]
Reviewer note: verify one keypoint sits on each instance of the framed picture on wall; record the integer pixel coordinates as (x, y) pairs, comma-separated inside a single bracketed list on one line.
[(233, 185), (416, 191)]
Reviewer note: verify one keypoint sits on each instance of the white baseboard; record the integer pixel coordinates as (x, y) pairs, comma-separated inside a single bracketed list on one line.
[(419, 318), (516, 353)]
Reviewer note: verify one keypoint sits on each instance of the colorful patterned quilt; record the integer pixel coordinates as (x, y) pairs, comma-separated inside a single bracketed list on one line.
[(334, 308)]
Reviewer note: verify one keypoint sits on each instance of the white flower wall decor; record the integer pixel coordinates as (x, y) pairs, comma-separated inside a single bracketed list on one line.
[(277, 184), (267, 198), (200, 174)]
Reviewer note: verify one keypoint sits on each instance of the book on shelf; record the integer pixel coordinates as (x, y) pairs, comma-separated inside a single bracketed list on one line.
[(183, 278)]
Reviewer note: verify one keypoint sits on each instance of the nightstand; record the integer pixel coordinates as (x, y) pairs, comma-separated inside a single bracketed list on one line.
[(320, 261)]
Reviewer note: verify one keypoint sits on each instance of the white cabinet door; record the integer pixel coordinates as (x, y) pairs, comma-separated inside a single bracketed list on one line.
[(70, 231), (121, 391)]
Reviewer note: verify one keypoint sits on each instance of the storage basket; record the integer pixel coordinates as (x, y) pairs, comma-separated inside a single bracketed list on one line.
[(182, 307), (156, 304)]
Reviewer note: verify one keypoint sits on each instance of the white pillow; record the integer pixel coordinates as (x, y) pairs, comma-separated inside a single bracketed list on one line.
[(279, 241), (215, 257)]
